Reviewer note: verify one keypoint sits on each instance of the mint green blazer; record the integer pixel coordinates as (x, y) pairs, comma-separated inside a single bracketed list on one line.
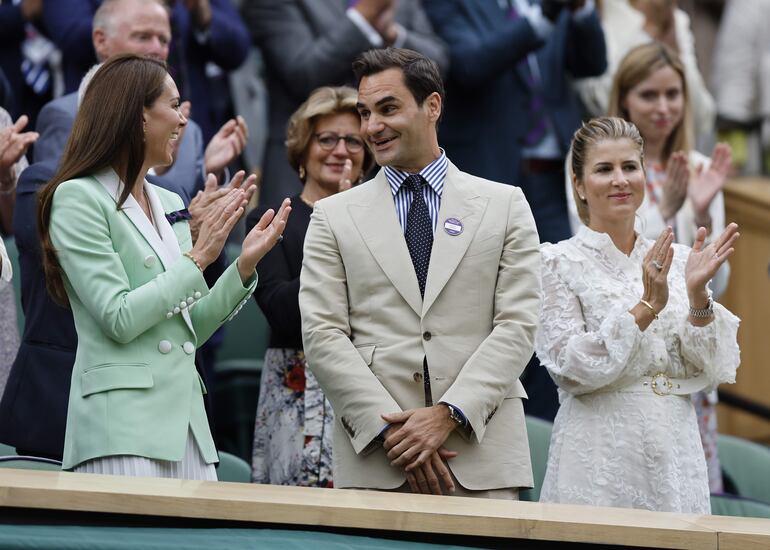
[(141, 309)]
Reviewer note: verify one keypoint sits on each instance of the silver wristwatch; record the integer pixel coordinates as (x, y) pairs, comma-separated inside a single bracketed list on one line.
[(707, 311), (455, 415)]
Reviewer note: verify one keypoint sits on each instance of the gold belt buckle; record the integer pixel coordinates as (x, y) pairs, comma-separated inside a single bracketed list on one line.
[(661, 384)]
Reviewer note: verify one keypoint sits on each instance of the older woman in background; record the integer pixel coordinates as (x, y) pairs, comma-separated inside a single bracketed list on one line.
[(293, 429), (628, 330)]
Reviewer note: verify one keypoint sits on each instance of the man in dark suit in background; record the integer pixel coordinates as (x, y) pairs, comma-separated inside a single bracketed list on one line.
[(204, 32), (312, 43), (142, 27), (33, 411), (511, 110)]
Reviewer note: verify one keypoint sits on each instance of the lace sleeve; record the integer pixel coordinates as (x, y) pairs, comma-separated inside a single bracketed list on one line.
[(713, 349), (582, 361)]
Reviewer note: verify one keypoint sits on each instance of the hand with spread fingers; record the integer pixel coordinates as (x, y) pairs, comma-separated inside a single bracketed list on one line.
[(705, 184), (675, 186), (226, 145), (704, 261), (264, 236), (13, 145), (216, 225), (211, 194), (655, 268)]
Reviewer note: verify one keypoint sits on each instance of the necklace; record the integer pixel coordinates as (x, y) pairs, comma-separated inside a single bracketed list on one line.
[(149, 209), (303, 199)]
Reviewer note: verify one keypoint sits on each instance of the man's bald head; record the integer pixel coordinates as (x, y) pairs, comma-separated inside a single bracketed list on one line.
[(140, 27)]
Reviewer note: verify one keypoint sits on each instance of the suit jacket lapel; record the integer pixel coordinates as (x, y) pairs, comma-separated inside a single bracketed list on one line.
[(461, 202), (109, 179), (163, 247), (169, 242), (377, 222)]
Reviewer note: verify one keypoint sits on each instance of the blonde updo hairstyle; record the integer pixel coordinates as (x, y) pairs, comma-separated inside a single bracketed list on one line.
[(323, 101), (586, 138)]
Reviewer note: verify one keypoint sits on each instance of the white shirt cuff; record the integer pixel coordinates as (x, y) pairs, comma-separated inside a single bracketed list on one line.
[(363, 25), (534, 15)]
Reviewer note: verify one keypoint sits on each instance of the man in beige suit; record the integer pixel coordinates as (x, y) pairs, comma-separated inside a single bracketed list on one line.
[(419, 296)]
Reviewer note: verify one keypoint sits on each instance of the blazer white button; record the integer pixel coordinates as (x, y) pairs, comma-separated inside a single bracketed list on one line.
[(177, 310), (164, 346), (150, 260), (189, 348), (197, 295), (169, 315), (190, 301), (183, 304)]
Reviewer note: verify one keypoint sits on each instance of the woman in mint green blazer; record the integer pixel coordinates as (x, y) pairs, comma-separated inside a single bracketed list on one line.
[(135, 283)]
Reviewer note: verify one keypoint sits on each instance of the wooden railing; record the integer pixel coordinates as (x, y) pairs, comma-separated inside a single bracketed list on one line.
[(380, 513)]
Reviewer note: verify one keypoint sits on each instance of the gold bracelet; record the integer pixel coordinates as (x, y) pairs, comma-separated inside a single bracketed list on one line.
[(646, 303), (197, 264)]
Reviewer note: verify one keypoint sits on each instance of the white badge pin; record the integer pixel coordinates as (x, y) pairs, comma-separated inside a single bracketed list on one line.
[(453, 226)]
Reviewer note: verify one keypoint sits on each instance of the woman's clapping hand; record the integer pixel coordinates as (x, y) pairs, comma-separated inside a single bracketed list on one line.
[(704, 261), (262, 237), (218, 221), (655, 269)]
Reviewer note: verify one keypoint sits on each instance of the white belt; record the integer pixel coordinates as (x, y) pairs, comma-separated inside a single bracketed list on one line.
[(661, 384)]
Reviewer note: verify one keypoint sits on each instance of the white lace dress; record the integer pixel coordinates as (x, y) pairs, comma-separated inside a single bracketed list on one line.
[(613, 448)]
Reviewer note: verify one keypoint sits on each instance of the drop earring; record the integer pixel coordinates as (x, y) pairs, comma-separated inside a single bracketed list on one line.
[(302, 173)]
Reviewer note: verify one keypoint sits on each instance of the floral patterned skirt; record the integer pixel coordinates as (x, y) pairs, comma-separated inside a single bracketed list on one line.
[(293, 427)]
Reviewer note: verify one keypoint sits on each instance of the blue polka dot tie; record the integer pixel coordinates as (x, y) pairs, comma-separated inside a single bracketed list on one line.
[(419, 230)]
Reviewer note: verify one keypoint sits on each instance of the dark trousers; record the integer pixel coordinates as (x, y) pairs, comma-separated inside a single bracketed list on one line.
[(545, 192)]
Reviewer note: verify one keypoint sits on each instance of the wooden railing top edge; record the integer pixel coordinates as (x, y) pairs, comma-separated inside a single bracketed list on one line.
[(336, 508)]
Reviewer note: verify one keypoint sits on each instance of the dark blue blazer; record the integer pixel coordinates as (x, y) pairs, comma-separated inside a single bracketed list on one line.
[(488, 94), (33, 411), (227, 45), (21, 100)]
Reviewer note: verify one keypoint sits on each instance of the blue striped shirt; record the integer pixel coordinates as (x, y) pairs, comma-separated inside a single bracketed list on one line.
[(434, 174)]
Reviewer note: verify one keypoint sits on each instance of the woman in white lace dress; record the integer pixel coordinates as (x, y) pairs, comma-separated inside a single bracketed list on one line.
[(628, 330)]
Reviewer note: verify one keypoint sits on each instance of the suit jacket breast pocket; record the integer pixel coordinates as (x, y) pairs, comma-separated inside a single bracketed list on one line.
[(183, 236), (485, 245)]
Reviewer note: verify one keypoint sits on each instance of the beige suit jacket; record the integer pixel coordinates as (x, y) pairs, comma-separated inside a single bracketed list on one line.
[(366, 329)]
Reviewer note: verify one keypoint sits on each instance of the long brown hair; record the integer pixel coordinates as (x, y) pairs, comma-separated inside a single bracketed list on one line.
[(107, 133), (638, 64)]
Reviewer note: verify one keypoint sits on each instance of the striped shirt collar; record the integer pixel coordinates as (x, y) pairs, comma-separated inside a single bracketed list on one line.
[(434, 174)]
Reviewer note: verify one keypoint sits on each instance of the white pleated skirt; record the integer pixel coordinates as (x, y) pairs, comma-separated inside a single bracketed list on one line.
[(192, 465)]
